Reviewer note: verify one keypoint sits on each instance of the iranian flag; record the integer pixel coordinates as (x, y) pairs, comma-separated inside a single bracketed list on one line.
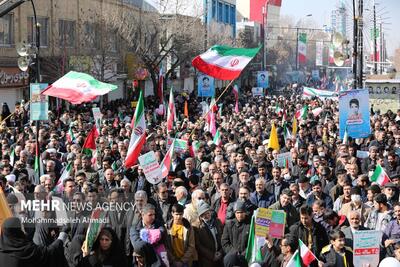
[(171, 117), (295, 260), (60, 183), (38, 167), (253, 250), (77, 87), (12, 157), (235, 91), (224, 62), (166, 162), (302, 48), (302, 113), (217, 138), (70, 135), (138, 136), (307, 257), (379, 176)]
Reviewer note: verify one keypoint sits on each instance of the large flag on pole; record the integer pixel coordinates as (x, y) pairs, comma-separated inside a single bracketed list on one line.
[(302, 48), (166, 162), (171, 111), (253, 251), (5, 211), (224, 62), (77, 87), (90, 142), (138, 136), (273, 138)]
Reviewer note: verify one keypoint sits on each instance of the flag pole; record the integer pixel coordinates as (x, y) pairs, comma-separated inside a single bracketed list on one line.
[(216, 100)]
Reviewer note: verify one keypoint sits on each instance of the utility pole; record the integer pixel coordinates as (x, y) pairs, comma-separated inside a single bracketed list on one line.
[(360, 42), (381, 47), (297, 48), (206, 26), (263, 36), (355, 45), (375, 45)]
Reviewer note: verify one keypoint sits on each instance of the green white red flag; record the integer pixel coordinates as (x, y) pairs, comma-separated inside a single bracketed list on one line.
[(171, 117), (224, 62), (307, 257), (380, 176), (302, 48), (166, 162), (77, 87), (138, 136), (302, 114), (217, 138), (60, 183)]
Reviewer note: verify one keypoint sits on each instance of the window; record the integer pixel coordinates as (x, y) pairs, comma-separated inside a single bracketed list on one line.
[(91, 35), (6, 30), (233, 15), (66, 31), (44, 31), (226, 13), (214, 9), (112, 43), (220, 10)]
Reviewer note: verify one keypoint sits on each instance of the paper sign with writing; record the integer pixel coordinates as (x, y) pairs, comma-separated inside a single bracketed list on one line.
[(366, 248), (270, 222), (362, 154), (285, 158), (151, 167)]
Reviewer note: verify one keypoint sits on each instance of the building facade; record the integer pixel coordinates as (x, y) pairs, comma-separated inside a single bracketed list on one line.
[(72, 37)]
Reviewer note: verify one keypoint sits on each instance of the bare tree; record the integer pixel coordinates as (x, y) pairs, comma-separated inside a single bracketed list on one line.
[(159, 37)]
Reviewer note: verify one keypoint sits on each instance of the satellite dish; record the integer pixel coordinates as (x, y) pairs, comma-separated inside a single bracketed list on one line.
[(338, 58), (23, 63), (337, 39), (22, 49)]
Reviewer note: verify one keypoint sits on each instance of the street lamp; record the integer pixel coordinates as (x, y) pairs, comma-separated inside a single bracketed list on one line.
[(5, 7)]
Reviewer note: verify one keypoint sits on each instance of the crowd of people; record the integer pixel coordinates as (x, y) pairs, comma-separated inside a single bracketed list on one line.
[(200, 214)]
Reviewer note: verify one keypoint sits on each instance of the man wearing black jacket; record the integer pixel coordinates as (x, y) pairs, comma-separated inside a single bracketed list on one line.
[(235, 235), (310, 232)]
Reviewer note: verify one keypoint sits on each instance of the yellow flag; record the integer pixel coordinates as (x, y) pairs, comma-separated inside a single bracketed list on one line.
[(5, 211), (273, 138), (294, 127)]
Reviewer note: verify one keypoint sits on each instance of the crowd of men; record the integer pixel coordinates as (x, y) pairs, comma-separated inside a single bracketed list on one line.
[(200, 214)]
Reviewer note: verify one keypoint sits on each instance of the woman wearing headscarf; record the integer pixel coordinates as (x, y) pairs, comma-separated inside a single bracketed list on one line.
[(16, 250), (106, 251), (5, 112)]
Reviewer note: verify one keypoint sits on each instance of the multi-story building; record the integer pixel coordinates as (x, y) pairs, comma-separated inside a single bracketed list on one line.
[(339, 19), (71, 37)]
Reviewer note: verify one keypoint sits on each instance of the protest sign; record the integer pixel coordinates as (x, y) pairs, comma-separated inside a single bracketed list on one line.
[(151, 167), (39, 102), (205, 86), (257, 91), (180, 145), (354, 113), (285, 160), (270, 222), (362, 154), (262, 79), (97, 117), (366, 248)]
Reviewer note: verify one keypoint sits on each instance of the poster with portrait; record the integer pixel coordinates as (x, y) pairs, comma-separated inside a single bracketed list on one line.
[(354, 113), (205, 86), (39, 102), (262, 79)]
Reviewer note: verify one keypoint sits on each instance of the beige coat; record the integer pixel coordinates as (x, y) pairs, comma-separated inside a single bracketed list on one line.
[(348, 207)]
